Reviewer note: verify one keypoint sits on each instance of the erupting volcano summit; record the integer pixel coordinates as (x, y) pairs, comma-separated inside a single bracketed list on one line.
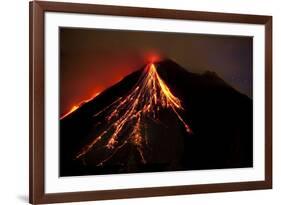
[(127, 115)]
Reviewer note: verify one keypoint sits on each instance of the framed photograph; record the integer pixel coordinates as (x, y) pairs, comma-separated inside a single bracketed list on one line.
[(140, 102)]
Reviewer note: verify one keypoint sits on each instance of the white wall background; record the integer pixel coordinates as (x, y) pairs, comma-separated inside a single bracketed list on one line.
[(14, 100)]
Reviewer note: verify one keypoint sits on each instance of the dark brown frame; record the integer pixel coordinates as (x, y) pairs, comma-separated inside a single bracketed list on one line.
[(36, 144)]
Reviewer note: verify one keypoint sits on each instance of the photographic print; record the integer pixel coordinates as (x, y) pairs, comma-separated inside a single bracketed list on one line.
[(141, 101), (130, 102)]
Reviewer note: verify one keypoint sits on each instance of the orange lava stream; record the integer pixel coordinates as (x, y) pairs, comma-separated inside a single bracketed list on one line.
[(75, 107), (126, 115)]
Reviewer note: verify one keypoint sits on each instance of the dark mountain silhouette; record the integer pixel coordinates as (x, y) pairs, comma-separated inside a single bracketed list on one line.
[(220, 119)]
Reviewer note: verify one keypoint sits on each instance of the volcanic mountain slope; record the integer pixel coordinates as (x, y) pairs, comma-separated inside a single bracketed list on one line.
[(159, 118)]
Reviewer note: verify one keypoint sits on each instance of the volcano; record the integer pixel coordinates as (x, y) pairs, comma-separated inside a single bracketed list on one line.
[(159, 118)]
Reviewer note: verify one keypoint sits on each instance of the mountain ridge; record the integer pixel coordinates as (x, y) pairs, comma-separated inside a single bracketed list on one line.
[(208, 74)]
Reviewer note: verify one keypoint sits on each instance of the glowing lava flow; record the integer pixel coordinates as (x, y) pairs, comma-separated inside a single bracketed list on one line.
[(75, 107), (126, 115)]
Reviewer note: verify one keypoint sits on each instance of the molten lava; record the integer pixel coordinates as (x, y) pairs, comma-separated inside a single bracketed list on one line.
[(125, 117), (75, 107)]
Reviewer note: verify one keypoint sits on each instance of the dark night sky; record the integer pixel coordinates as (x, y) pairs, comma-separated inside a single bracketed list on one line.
[(92, 60)]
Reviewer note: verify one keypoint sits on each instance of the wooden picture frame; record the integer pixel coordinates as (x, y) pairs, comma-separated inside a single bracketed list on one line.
[(37, 194)]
